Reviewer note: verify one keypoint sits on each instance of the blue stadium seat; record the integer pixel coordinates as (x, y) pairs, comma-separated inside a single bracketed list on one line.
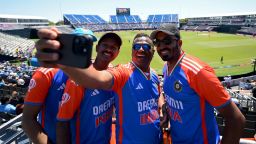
[(71, 19), (84, 19), (125, 19), (163, 18)]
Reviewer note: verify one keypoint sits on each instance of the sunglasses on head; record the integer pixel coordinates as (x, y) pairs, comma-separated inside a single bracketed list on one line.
[(146, 47), (165, 41)]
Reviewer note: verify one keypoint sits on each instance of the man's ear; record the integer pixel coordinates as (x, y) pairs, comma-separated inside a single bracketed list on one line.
[(153, 51), (180, 43)]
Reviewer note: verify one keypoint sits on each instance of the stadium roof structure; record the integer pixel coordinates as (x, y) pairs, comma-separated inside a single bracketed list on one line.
[(224, 14), (21, 16)]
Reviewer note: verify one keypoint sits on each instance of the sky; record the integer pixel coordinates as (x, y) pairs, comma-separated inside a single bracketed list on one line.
[(53, 10)]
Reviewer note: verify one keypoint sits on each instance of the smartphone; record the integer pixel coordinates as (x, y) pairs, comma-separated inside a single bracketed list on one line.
[(75, 51)]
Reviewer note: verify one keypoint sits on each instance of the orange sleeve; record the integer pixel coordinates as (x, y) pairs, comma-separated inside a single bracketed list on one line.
[(39, 86), (207, 85), (71, 99), (120, 74)]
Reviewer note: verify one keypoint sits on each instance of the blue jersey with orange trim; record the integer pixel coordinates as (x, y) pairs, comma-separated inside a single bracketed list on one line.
[(192, 90), (45, 89), (136, 105), (89, 112)]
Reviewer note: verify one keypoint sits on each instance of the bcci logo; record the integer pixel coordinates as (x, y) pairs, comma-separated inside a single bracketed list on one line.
[(65, 98), (177, 86), (32, 84)]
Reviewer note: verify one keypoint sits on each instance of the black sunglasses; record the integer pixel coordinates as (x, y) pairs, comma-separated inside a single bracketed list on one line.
[(166, 41), (146, 47)]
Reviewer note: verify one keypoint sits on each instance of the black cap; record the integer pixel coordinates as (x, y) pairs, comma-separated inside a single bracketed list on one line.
[(169, 29), (113, 36)]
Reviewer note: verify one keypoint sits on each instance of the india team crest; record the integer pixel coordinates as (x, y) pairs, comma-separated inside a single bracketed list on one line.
[(177, 86), (32, 84), (65, 98)]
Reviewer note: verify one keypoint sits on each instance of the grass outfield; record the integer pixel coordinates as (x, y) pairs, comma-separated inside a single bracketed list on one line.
[(237, 50)]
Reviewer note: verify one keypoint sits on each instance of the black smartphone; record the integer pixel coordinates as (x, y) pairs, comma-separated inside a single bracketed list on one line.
[(75, 51)]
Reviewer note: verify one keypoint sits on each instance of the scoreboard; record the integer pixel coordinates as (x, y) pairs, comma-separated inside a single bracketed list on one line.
[(122, 11)]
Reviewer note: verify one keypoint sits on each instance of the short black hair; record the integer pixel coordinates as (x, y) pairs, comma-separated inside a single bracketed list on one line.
[(113, 36), (141, 35)]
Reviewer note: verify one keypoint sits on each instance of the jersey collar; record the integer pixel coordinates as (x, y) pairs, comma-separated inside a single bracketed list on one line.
[(177, 63), (146, 76)]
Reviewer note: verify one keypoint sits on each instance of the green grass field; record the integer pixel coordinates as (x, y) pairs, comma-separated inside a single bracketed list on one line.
[(237, 50)]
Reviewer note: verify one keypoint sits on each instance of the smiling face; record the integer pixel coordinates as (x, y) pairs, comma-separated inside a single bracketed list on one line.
[(168, 47), (107, 50), (142, 52)]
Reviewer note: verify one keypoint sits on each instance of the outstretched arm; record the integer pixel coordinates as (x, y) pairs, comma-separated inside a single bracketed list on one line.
[(208, 86), (234, 123), (90, 78), (31, 127)]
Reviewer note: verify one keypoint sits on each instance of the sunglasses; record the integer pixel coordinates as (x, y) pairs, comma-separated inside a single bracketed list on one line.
[(146, 47), (165, 41)]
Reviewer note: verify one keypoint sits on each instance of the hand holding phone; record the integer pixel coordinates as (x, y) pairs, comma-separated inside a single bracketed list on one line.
[(75, 51)]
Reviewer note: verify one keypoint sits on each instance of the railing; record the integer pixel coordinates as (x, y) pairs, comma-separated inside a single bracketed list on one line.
[(11, 132)]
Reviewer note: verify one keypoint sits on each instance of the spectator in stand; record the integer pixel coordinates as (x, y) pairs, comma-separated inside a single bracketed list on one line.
[(254, 92), (2, 83), (192, 91), (14, 98), (27, 80), (136, 85), (5, 105), (44, 94), (34, 62), (20, 82), (227, 80), (83, 105)]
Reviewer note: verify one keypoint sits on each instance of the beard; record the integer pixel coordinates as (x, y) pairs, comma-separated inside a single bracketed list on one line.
[(172, 55), (166, 57)]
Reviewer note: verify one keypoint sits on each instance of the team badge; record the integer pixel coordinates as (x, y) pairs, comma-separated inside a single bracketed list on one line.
[(177, 86), (32, 84), (65, 98)]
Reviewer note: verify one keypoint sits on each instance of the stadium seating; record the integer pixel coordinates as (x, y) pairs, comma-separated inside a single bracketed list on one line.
[(125, 19), (248, 30), (154, 21), (11, 132), (65, 29), (83, 19), (15, 46), (165, 18)]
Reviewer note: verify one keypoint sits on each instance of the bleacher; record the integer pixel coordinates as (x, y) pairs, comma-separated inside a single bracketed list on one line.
[(246, 102), (15, 46), (75, 19), (11, 132), (11, 26), (197, 28), (164, 18), (125, 19), (248, 30), (118, 22), (22, 32), (154, 21)]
